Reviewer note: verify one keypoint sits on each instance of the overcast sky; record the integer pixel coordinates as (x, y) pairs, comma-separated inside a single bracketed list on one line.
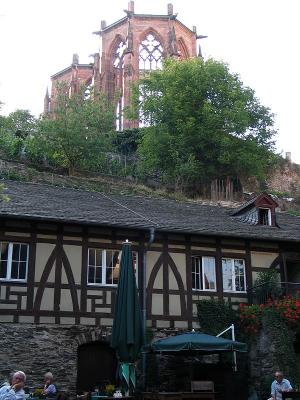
[(259, 39)]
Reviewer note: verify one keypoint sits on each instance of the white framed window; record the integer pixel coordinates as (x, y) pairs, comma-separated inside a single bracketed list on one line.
[(234, 275), (13, 261), (104, 266), (204, 273)]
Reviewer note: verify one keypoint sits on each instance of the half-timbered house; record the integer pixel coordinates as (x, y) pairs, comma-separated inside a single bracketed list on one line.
[(59, 268)]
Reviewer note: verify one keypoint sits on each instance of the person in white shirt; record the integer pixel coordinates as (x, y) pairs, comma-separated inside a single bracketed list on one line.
[(279, 386), (15, 391)]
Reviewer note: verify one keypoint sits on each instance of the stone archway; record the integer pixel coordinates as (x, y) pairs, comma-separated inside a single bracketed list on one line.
[(96, 366)]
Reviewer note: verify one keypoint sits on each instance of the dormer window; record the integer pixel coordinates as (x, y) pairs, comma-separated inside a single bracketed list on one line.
[(264, 216), (260, 210)]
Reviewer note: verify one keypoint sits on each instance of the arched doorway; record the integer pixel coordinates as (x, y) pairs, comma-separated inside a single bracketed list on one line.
[(96, 366)]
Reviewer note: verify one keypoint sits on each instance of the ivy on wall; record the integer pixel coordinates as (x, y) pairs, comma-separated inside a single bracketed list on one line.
[(215, 316), (274, 350)]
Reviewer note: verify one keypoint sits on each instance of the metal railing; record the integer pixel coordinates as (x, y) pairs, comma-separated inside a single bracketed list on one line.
[(260, 294)]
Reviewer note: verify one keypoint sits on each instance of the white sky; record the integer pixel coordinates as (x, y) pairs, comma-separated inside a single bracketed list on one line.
[(259, 39)]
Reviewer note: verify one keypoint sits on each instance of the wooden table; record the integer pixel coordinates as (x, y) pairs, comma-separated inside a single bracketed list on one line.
[(295, 394), (99, 397), (179, 395)]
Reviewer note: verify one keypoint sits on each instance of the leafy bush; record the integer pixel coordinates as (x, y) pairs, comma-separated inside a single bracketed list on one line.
[(215, 315)]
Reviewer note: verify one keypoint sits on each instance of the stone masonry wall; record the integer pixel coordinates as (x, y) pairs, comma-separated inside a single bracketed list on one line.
[(36, 349)]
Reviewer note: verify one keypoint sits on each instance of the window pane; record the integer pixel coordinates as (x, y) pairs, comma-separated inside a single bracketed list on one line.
[(98, 275), (196, 273), (16, 251), (92, 257), (98, 257), (227, 274), (3, 269), (22, 270), (209, 273), (3, 251), (239, 269), (109, 269), (23, 252), (14, 270), (116, 267), (91, 276)]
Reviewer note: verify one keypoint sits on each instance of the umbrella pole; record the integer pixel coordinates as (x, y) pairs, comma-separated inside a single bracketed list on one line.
[(234, 353), (231, 327)]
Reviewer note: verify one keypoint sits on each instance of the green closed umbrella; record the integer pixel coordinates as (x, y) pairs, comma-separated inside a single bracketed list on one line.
[(127, 333)]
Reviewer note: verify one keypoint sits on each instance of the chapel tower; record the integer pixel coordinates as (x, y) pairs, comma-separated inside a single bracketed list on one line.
[(130, 47)]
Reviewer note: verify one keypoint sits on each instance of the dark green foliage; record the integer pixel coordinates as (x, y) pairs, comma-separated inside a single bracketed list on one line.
[(12, 175), (14, 130), (76, 136), (204, 124), (126, 142), (215, 316), (280, 351), (21, 123)]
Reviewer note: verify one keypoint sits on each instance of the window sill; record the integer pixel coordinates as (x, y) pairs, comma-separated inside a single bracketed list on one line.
[(235, 291), (112, 285)]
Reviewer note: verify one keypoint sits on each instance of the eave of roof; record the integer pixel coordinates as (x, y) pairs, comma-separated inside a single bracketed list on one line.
[(69, 68), (111, 26), (124, 19), (49, 203)]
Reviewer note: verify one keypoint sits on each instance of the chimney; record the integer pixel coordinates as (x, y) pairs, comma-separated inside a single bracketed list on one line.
[(75, 59), (170, 9), (131, 6), (288, 156), (103, 24)]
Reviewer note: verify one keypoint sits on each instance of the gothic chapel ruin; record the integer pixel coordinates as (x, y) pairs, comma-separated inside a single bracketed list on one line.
[(129, 47)]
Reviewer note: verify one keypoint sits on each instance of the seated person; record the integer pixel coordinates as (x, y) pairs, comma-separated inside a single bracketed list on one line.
[(49, 388), (14, 390)]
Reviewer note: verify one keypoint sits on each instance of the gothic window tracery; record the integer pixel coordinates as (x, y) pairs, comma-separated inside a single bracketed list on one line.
[(150, 54), (150, 59), (118, 66)]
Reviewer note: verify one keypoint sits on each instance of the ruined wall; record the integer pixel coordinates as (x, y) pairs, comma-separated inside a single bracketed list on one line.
[(286, 179)]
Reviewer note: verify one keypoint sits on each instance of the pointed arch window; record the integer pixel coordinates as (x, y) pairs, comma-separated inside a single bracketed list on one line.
[(150, 54), (182, 50), (118, 66)]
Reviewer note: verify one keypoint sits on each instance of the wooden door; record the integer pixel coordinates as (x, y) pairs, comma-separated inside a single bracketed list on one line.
[(96, 366)]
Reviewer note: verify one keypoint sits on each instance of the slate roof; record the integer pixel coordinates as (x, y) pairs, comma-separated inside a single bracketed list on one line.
[(50, 203)]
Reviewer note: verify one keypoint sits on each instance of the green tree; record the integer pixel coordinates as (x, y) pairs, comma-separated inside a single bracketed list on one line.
[(21, 123), (75, 135), (203, 123), (14, 129)]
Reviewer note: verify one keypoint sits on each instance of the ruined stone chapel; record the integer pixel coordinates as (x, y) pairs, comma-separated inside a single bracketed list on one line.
[(129, 47)]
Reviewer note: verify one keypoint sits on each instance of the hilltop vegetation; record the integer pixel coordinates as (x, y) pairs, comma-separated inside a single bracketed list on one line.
[(200, 123)]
